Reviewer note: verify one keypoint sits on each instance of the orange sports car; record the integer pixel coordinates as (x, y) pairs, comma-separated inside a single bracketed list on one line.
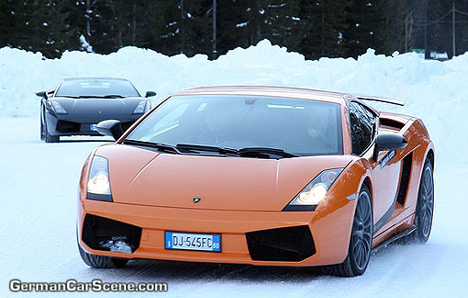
[(265, 176)]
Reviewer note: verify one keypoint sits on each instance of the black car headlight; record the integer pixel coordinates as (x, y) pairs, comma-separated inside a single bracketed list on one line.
[(141, 107), (314, 192), (58, 109), (98, 182)]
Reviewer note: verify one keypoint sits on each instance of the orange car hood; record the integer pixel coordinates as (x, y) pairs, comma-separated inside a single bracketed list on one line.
[(144, 177)]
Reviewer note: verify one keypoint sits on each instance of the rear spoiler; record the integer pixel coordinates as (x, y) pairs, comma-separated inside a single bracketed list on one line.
[(381, 99)]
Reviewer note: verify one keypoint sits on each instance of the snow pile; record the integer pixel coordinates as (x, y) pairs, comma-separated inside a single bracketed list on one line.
[(434, 91), (85, 45)]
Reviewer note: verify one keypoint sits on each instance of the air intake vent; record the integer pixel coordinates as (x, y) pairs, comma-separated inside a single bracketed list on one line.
[(283, 244), (102, 233), (405, 176), (391, 123), (67, 126)]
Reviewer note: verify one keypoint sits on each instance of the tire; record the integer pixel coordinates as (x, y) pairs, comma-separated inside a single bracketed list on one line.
[(424, 207), (42, 124), (360, 243), (47, 137), (101, 261)]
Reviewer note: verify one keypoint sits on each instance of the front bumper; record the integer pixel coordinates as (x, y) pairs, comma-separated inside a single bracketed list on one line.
[(68, 125), (330, 229)]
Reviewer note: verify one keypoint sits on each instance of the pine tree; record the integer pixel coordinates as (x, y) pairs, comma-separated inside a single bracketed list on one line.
[(36, 26), (440, 27), (397, 27), (9, 19), (60, 36), (232, 24), (364, 18), (324, 24)]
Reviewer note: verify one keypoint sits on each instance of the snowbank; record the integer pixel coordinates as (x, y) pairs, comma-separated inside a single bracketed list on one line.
[(434, 91)]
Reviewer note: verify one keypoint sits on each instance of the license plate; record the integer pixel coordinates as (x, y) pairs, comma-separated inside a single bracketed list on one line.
[(191, 241), (93, 127)]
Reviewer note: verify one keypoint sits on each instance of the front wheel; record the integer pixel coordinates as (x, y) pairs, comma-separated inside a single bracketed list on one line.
[(41, 120), (47, 137), (360, 244), (101, 261)]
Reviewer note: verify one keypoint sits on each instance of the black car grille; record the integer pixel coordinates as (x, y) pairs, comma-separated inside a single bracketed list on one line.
[(283, 244), (67, 126), (74, 127), (101, 233)]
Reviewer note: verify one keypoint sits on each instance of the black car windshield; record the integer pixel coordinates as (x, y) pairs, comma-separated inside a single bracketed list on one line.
[(96, 88), (297, 126)]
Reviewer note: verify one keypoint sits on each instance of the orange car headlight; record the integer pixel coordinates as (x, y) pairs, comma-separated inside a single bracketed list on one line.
[(314, 192), (98, 182)]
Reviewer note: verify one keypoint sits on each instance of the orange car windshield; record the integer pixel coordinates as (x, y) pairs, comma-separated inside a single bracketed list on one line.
[(297, 126)]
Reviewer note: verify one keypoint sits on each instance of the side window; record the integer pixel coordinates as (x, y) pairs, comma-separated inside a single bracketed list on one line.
[(362, 123)]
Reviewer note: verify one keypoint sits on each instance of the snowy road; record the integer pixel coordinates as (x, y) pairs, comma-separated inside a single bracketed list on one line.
[(38, 187)]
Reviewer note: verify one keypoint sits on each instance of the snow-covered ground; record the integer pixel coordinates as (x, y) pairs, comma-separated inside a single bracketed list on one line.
[(38, 182)]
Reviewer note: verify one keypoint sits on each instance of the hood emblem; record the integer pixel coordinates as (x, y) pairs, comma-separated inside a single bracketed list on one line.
[(196, 200)]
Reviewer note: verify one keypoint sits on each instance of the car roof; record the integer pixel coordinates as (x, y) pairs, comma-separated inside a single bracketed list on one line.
[(289, 92), (94, 78)]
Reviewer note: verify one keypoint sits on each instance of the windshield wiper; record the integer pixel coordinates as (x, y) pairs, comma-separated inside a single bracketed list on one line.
[(101, 96), (194, 147), (68, 96), (259, 152), (264, 152), (159, 146), (113, 96)]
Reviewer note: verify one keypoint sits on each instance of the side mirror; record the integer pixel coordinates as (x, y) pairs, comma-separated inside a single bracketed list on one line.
[(150, 94), (41, 94), (388, 141), (111, 128)]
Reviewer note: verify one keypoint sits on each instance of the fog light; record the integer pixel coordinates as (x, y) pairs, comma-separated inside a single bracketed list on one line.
[(117, 244)]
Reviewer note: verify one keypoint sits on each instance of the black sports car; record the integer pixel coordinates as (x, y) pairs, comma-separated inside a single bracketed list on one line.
[(78, 104)]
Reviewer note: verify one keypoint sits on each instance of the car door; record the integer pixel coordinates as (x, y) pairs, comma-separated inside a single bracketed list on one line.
[(384, 171)]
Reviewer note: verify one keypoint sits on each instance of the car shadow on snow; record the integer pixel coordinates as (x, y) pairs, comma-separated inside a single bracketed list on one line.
[(193, 272)]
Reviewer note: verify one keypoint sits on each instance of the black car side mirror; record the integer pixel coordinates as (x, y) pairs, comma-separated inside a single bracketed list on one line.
[(388, 141), (150, 93), (41, 94), (111, 128)]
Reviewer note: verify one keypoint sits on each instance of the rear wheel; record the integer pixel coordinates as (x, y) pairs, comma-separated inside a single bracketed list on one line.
[(101, 261), (425, 206), (360, 244)]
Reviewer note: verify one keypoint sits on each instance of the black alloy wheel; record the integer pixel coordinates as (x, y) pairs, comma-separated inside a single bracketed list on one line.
[(47, 137), (42, 124), (360, 244)]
